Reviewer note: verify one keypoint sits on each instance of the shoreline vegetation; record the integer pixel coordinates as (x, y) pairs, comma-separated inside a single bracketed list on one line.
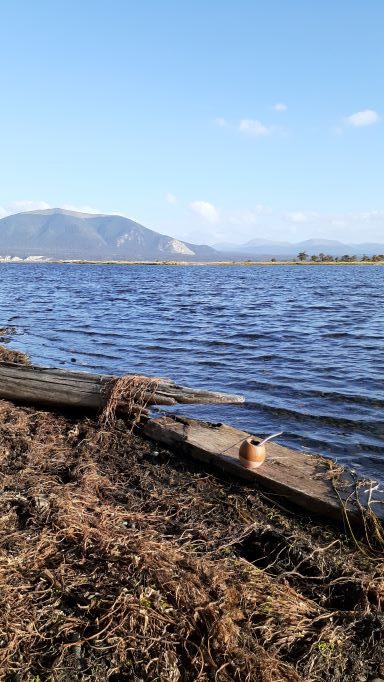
[(123, 560)]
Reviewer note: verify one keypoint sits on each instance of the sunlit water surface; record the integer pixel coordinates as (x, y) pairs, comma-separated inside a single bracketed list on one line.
[(304, 345)]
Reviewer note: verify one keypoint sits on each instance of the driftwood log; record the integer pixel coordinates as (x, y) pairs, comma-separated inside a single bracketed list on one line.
[(60, 387), (314, 483)]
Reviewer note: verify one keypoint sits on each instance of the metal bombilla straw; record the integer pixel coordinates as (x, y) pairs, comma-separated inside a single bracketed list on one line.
[(274, 435)]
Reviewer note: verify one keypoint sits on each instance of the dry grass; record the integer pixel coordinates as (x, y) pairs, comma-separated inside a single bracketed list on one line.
[(134, 392), (7, 355), (122, 562)]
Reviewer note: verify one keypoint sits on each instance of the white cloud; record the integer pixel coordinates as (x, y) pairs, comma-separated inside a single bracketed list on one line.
[(296, 217), (170, 198), (280, 106), (83, 209), (253, 127), (21, 206), (337, 222), (369, 215), (362, 118), (249, 216), (220, 122), (262, 222), (206, 211), (248, 126), (299, 217), (349, 227), (26, 205)]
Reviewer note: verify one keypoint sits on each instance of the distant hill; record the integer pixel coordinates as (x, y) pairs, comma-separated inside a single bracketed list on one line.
[(62, 234), (262, 248)]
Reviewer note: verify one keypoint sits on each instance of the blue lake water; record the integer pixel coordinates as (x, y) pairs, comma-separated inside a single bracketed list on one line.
[(304, 345)]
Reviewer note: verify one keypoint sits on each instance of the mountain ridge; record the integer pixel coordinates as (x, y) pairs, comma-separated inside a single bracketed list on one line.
[(269, 248), (65, 234)]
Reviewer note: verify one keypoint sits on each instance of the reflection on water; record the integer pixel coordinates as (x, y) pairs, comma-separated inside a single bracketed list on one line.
[(303, 344)]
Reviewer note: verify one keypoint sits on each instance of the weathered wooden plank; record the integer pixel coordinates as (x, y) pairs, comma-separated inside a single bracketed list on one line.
[(305, 480), (51, 386)]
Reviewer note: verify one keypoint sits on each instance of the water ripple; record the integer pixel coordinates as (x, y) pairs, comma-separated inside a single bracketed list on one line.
[(304, 345)]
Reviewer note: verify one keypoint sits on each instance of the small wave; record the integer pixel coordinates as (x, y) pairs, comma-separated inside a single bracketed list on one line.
[(374, 427), (303, 345)]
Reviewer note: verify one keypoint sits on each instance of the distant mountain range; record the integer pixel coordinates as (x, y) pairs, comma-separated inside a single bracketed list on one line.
[(61, 234), (259, 248)]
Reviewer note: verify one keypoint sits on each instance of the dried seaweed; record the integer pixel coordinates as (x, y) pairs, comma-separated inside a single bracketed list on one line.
[(7, 354), (119, 561), (129, 394)]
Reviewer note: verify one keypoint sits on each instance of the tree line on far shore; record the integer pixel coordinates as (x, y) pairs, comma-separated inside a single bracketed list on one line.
[(325, 258)]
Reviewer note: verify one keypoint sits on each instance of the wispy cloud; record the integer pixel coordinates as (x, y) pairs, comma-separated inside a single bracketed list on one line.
[(238, 226), (280, 106), (170, 198), (21, 206), (206, 211), (221, 122), (300, 217), (253, 127), (362, 118), (249, 217), (82, 209), (26, 205), (248, 126)]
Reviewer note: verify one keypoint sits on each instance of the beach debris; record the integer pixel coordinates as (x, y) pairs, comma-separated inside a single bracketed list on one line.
[(68, 388), (117, 565)]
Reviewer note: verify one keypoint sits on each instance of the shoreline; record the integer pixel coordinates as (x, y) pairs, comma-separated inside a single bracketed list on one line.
[(191, 263), (305, 478), (149, 563)]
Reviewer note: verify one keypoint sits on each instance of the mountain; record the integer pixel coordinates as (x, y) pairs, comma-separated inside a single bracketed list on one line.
[(62, 234), (263, 248), (264, 242)]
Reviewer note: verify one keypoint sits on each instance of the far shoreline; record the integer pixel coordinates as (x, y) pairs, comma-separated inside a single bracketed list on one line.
[(189, 263)]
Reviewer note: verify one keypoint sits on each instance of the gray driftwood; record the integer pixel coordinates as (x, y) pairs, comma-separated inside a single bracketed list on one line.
[(60, 387), (302, 479)]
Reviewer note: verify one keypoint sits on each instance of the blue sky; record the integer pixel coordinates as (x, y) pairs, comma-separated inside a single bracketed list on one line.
[(166, 111)]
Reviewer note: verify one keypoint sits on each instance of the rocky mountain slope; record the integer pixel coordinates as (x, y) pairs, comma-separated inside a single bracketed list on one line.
[(58, 233)]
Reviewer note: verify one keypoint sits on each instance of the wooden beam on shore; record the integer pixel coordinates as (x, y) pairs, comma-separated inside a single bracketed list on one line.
[(64, 388), (314, 483)]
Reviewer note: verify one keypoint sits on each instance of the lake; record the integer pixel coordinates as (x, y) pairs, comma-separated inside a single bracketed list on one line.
[(304, 345)]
